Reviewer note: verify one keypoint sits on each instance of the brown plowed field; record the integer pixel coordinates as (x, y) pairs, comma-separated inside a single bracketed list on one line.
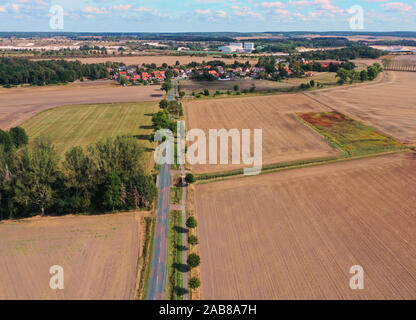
[(20, 104), (99, 255), (387, 105), (285, 138), (295, 234)]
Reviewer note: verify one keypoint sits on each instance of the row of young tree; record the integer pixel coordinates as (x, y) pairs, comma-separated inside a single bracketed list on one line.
[(15, 71), (107, 176)]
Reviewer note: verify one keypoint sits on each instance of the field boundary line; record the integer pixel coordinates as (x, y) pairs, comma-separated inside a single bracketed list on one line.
[(149, 265), (300, 166)]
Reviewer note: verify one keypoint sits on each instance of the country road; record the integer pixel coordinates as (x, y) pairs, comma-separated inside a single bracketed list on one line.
[(157, 281)]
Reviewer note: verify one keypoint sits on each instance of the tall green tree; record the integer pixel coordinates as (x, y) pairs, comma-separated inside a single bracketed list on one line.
[(6, 140), (39, 172), (80, 180), (19, 136), (112, 192)]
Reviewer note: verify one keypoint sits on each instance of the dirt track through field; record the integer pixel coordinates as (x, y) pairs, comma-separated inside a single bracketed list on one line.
[(18, 105), (285, 138), (295, 234), (98, 253), (387, 105)]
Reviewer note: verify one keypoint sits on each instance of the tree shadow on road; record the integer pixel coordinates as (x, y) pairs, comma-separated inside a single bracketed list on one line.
[(181, 267), (181, 230), (180, 291), (181, 248)]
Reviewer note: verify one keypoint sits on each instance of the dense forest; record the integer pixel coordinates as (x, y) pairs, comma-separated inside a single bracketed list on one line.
[(104, 177), (14, 71), (349, 53), (290, 45)]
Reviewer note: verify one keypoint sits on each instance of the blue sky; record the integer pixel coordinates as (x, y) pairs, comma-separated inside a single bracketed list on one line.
[(207, 15)]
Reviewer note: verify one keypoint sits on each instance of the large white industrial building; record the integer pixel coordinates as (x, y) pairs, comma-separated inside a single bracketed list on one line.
[(238, 47)]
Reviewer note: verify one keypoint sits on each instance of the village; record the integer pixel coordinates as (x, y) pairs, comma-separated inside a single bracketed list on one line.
[(216, 70)]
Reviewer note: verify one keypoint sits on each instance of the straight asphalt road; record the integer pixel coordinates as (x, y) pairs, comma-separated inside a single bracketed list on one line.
[(157, 281)]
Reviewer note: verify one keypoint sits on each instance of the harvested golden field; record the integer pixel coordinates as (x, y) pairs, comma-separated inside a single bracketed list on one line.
[(387, 105), (285, 138), (295, 234), (99, 256), (197, 86), (20, 104)]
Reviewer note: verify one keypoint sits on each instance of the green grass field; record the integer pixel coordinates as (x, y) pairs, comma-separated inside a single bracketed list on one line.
[(80, 125), (351, 136)]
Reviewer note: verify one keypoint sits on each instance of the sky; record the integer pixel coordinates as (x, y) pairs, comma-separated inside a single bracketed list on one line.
[(207, 15)]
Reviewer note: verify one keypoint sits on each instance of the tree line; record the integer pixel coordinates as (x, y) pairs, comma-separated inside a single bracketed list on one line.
[(349, 53), (352, 75), (15, 71), (106, 176)]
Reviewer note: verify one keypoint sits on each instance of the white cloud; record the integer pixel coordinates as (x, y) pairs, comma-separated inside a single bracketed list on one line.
[(15, 7), (148, 10), (121, 7), (245, 12), (91, 9), (203, 12), (221, 14), (397, 7), (318, 4), (269, 5)]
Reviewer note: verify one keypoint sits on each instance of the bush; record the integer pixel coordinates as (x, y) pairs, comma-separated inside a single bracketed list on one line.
[(191, 223), (193, 240), (163, 104), (190, 178), (193, 260), (194, 283), (206, 92)]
